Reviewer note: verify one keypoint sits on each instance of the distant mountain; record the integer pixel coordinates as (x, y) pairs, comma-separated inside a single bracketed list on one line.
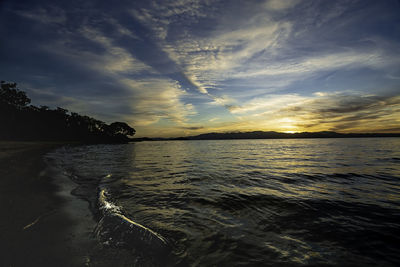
[(271, 135)]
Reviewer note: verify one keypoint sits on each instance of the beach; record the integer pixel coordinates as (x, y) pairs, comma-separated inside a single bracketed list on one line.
[(42, 223)]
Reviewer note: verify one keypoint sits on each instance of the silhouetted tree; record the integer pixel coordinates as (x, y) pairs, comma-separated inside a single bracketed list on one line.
[(9, 94), (120, 128), (20, 121)]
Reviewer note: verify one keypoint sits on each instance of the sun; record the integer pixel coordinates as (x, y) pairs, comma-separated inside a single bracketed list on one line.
[(288, 125)]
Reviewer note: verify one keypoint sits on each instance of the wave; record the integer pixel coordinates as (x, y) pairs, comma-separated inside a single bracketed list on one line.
[(117, 230), (113, 228), (338, 208)]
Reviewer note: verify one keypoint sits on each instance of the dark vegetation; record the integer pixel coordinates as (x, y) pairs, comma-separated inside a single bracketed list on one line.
[(21, 121)]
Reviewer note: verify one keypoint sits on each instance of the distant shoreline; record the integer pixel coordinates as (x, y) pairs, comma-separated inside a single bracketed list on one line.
[(269, 135)]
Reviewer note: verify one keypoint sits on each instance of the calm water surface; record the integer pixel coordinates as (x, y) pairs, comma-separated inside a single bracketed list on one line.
[(249, 202)]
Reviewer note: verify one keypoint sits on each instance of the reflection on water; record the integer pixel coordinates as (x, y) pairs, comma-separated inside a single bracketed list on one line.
[(249, 202)]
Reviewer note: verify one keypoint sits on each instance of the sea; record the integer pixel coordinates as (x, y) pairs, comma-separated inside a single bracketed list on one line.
[(275, 202)]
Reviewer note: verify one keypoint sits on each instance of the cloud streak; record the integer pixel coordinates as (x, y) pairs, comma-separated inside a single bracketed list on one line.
[(350, 112), (169, 66)]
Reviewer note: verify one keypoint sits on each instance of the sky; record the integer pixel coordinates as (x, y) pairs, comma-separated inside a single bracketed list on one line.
[(184, 67)]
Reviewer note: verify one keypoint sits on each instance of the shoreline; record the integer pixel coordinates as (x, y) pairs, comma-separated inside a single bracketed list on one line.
[(42, 224)]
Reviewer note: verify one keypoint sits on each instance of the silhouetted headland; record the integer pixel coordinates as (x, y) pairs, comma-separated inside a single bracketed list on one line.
[(271, 135), (21, 121)]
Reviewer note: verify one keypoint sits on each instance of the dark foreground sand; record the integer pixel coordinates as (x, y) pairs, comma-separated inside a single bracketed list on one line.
[(41, 224)]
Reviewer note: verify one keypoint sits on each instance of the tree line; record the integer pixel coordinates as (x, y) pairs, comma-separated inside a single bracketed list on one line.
[(21, 121)]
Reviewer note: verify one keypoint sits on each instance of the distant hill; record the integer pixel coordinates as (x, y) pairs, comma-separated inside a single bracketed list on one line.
[(272, 135)]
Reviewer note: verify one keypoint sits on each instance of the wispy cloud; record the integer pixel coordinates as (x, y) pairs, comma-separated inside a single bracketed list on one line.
[(251, 49), (211, 60), (343, 112), (158, 16), (191, 66), (318, 63), (280, 5), (144, 101), (115, 59), (49, 15), (156, 99)]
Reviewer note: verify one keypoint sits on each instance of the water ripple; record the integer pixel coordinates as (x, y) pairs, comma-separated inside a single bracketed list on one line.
[(254, 202)]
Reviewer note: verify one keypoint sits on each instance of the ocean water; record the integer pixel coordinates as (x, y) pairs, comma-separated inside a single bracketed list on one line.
[(298, 202)]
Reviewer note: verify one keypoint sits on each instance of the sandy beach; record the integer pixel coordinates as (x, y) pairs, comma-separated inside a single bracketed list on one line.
[(42, 223)]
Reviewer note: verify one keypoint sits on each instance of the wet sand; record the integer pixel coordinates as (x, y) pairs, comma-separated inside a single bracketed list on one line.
[(41, 224)]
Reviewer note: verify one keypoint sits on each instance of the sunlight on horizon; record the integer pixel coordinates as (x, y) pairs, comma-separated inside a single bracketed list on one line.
[(175, 68)]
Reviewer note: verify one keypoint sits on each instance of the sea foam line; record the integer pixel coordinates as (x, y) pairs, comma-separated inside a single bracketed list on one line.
[(116, 229), (117, 211)]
